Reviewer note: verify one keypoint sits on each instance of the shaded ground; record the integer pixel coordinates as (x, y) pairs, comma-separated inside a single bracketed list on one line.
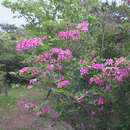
[(15, 117)]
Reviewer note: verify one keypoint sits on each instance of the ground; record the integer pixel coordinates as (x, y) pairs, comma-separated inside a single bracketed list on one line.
[(14, 117)]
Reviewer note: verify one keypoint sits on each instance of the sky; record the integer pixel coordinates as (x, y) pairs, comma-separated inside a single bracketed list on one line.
[(6, 16)]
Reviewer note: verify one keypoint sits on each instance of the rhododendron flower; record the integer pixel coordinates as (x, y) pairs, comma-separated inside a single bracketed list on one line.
[(86, 93), (44, 37), (63, 83), (81, 1), (98, 66), (82, 62), (59, 67), (91, 80), (93, 113), (33, 81), (118, 78), (36, 107), (50, 67), (99, 81), (26, 107), (62, 78), (46, 110), (21, 102), (83, 26), (75, 32), (39, 113), (79, 98), (94, 60), (112, 26), (67, 27), (83, 71), (36, 71), (30, 86), (56, 115), (100, 101), (107, 88), (25, 69), (109, 61)]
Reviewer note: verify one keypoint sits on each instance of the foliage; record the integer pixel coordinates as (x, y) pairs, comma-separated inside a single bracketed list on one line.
[(81, 58)]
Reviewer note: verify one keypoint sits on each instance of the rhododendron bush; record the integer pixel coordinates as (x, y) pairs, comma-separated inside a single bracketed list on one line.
[(82, 83)]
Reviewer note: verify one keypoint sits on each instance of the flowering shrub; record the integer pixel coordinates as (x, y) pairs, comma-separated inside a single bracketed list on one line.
[(83, 85)]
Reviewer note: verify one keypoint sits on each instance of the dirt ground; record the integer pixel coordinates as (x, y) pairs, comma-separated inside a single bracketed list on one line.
[(21, 119)]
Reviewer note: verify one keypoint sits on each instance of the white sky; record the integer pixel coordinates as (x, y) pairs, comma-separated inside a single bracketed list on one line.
[(6, 16)]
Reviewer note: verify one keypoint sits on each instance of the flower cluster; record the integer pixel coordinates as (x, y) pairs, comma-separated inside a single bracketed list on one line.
[(40, 111), (63, 83), (83, 26), (26, 44), (24, 69)]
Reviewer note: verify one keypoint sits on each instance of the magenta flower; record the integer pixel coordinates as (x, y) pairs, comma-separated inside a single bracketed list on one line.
[(93, 113), (100, 101), (39, 113), (44, 37), (83, 71), (24, 69), (30, 87), (107, 88), (59, 67), (63, 83), (56, 115), (82, 62), (75, 32), (109, 61), (62, 78), (33, 81), (26, 107), (81, 1), (86, 93), (21, 102), (112, 26), (91, 80), (67, 27), (50, 67), (79, 98)]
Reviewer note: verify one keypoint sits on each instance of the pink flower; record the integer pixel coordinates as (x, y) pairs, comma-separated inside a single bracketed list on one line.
[(59, 67), (83, 26), (44, 37), (67, 27), (98, 66), (83, 71), (91, 80), (50, 67), (86, 93), (62, 78), (33, 81), (75, 32), (81, 1), (99, 81), (46, 110), (30, 87), (24, 69), (26, 107), (39, 113), (109, 61), (63, 83), (82, 62), (107, 88), (21, 102), (56, 115), (100, 101), (79, 98), (112, 26), (93, 113)]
